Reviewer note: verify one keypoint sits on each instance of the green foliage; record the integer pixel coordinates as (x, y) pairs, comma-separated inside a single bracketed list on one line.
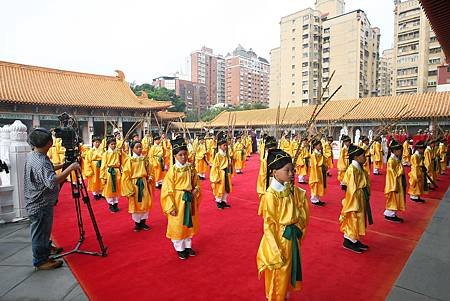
[(213, 112), (160, 94)]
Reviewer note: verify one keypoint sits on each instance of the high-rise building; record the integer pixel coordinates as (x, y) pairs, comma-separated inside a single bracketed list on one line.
[(386, 73), (316, 42), (208, 69), (417, 53), (246, 77), (350, 48), (193, 94)]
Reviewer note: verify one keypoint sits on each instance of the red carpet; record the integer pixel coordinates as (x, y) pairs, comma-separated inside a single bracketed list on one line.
[(144, 265)]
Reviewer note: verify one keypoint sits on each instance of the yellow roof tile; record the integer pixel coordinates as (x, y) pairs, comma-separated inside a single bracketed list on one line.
[(25, 84)]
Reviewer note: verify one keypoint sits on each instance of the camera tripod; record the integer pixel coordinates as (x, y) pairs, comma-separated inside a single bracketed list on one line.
[(79, 191)]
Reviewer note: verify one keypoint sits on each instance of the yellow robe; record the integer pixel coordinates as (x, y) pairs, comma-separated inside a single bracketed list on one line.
[(443, 157), (285, 145), (295, 144), (217, 174), (156, 159), (211, 147), (135, 168), (328, 154), (261, 181), (274, 258), (406, 154), (342, 163), (248, 145), (56, 153), (394, 190), (92, 164), (176, 182), (167, 150), (200, 159), (416, 176), (110, 159), (353, 214), (428, 161), (366, 149), (377, 155), (316, 180), (146, 144), (239, 152), (262, 147)]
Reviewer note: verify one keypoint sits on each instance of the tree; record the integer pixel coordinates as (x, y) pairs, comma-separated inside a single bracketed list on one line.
[(160, 94)]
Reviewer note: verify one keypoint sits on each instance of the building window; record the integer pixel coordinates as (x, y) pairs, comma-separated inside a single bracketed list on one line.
[(293, 66), (432, 72), (305, 27), (435, 50), (305, 46), (326, 50), (293, 48), (293, 30), (306, 18), (434, 60), (305, 36), (305, 64), (326, 59), (326, 30), (305, 73)]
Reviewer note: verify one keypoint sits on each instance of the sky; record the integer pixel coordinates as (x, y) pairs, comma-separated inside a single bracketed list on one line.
[(148, 39)]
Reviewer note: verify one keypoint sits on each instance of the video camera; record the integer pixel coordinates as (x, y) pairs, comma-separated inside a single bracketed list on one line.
[(68, 132), (3, 167)]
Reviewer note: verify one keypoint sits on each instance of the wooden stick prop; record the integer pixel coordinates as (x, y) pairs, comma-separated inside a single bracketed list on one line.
[(157, 122)]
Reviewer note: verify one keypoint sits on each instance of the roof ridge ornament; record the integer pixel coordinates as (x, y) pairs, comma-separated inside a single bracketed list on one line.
[(120, 75)]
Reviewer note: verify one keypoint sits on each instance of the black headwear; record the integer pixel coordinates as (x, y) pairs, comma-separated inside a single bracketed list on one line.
[(156, 136), (354, 151), (394, 145), (178, 144), (420, 144), (270, 142), (315, 142), (222, 138), (276, 159), (346, 138)]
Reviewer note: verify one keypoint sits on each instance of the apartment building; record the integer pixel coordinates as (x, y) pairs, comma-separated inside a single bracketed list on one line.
[(386, 73), (208, 69), (246, 77), (316, 42), (417, 53)]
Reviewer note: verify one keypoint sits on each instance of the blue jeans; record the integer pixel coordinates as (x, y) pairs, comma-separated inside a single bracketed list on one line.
[(41, 228)]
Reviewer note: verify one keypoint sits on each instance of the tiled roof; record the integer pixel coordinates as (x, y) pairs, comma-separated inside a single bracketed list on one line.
[(437, 12), (24, 84), (427, 105), (191, 125), (166, 115)]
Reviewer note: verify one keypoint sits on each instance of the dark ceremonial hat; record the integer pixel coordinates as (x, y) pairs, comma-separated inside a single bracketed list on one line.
[(277, 158), (270, 142), (394, 145), (222, 138), (178, 144), (346, 138)]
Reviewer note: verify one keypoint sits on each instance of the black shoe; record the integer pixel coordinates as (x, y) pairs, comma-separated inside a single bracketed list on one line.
[(116, 207), (302, 182), (319, 203), (419, 200), (97, 197), (394, 219), (349, 245), (225, 205), (239, 172), (190, 252), (329, 175), (137, 227), (182, 255), (219, 205), (144, 226), (111, 208), (343, 187), (201, 178), (362, 246)]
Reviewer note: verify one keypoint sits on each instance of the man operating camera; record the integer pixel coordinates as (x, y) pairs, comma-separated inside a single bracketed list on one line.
[(41, 189)]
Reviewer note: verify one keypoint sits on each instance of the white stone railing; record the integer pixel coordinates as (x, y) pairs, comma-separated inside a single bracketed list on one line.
[(13, 151)]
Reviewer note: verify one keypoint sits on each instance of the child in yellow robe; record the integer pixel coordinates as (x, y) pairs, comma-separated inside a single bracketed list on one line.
[(317, 175), (263, 181), (301, 167), (239, 152), (156, 158), (137, 186), (165, 142), (356, 212), (416, 175), (328, 153), (429, 161), (211, 145), (377, 156), (407, 151), (110, 174), (285, 143), (365, 146), (147, 142), (395, 188), (220, 175), (201, 163), (92, 164), (286, 215), (180, 200), (56, 153), (442, 150), (342, 163)]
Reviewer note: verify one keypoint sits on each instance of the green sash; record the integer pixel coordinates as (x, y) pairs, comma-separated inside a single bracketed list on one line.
[(227, 181), (368, 209), (98, 164), (187, 218), (112, 171), (293, 233), (140, 186)]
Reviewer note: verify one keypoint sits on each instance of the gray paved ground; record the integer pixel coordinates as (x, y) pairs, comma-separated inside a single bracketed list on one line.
[(426, 275), (19, 280)]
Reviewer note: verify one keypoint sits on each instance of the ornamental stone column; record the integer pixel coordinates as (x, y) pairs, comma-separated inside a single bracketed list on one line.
[(7, 212), (18, 151)]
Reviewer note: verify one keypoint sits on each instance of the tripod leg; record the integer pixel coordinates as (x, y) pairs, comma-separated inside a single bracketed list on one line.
[(87, 202), (76, 197)]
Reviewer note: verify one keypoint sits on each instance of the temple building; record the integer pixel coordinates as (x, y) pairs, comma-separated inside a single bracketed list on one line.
[(37, 96)]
